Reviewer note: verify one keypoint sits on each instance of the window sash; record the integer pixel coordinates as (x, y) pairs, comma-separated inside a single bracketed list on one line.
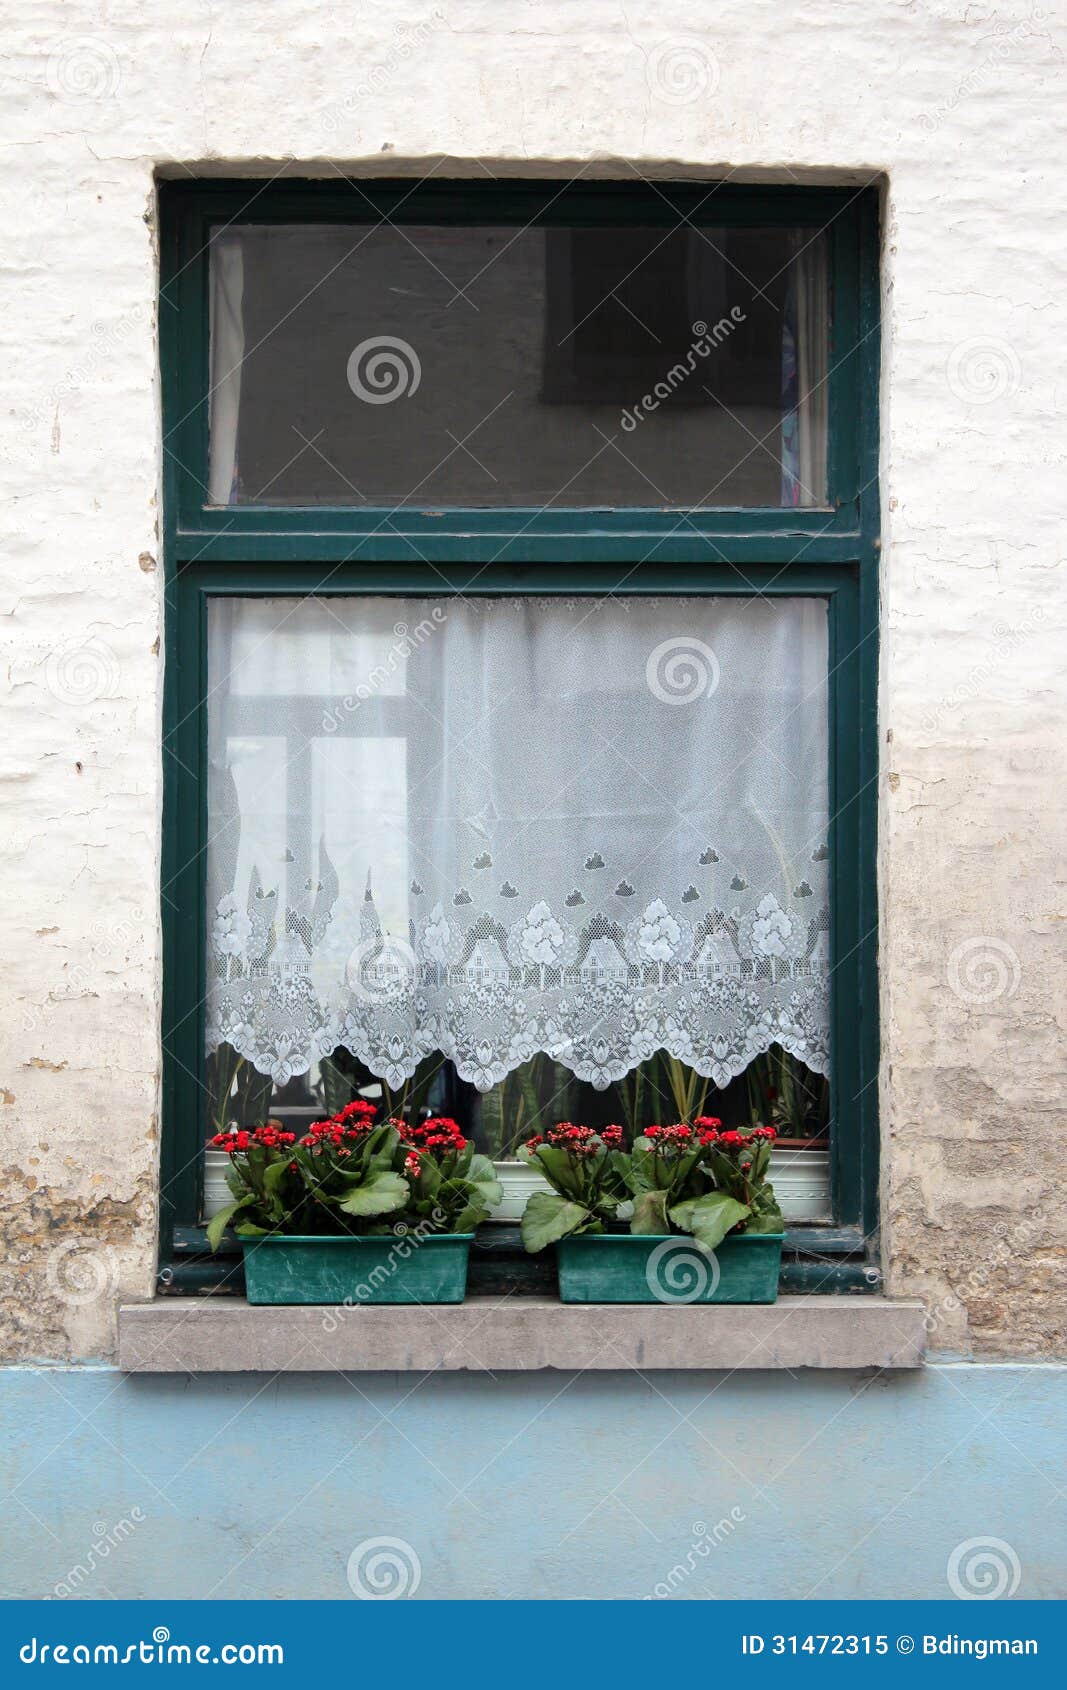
[(852, 1094), (192, 211), (251, 550)]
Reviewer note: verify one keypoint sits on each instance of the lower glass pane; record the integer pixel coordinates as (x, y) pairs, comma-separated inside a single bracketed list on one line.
[(776, 1089), (591, 828), (519, 861)]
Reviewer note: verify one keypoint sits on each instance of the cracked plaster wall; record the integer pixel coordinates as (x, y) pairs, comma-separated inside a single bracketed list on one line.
[(957, 105)]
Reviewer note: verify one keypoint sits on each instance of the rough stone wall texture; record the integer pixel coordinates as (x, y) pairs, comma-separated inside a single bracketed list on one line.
[(958, 105)]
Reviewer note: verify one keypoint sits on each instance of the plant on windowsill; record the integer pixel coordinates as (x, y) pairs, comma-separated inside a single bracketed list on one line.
[(792, 1099), (354, 1211), (684, 1181)]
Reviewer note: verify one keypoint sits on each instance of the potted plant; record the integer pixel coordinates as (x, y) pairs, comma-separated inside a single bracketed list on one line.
[(687, 1182), (790, 1097), (354, 1211)]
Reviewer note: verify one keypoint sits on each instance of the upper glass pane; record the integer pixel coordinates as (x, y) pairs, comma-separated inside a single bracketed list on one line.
[(432, 366)]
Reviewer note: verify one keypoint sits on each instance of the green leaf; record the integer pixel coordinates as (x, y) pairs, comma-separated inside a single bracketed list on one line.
[(650, 1213), (217, 1225), (236, 1182), (274, 1176), (467, 1219), (487, 1191), (379, 1195), (642, 1166), (548, 1217), (378, 1146), (429, 1177), (766, 1218), (724, 1171), (709, 1218), (558, 1169)]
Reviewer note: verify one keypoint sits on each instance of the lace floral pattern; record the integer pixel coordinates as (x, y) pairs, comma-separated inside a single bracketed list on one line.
[(598, 997)]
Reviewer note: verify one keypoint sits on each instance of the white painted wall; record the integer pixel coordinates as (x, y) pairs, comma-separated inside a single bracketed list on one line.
[(959, 105)]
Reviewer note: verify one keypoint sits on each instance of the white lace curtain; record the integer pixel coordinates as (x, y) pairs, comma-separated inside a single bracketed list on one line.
[(492, 827)]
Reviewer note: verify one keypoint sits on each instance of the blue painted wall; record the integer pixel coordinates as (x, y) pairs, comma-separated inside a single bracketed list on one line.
[(551, 1485)]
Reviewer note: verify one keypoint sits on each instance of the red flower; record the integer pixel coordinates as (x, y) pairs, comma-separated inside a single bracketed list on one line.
[(349, 1125), (579, 1141), (359, 1106), (612, 1136), (440, 1132), (270, 1136), (678, 1135), (412, 1165)]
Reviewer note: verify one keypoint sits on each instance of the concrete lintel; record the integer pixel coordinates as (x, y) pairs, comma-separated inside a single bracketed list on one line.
[(484, 1335)]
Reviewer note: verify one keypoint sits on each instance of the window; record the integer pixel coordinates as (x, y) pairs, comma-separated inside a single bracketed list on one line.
[(495, 366), (521, 625)]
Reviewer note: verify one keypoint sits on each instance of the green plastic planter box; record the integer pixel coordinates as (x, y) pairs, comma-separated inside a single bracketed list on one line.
[(358, 1270), (631, 1268)]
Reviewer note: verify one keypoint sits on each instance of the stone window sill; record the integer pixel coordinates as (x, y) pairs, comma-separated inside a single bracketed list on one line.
[(490, 1335)]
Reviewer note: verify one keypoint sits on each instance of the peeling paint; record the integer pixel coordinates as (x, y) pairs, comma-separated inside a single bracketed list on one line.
[(66, 1258)]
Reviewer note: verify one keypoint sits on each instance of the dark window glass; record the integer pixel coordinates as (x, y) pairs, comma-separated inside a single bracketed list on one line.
[(439, 365)]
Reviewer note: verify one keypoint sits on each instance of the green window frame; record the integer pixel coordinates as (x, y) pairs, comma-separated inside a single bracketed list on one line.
[(831, 553)]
